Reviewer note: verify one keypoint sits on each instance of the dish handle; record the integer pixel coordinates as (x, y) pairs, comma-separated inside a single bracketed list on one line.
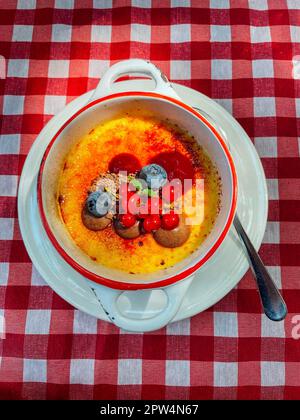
[(137, 67), (145, 318)]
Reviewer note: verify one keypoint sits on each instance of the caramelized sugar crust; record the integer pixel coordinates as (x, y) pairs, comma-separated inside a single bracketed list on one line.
[(145, 137)]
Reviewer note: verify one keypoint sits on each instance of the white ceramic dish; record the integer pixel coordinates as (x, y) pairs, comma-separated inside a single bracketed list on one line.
[(164, 103), (224, 269)]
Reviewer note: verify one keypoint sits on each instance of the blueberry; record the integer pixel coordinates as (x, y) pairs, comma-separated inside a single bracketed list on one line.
[(154, 175), (99, 203)]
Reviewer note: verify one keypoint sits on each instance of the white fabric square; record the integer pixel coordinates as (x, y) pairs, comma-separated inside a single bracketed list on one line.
[(262, 68), (180, 3), (270, 328), (17, 68), (225, 324), (13, 105), (220, 4), (36, 278), (101, 33), (26, 4), (272, 235), (38, 321), (6, 228), (102, 4), (260, 34), (225, 374), (34, 370), (272, 185), (181, 33), (61, 33), (220, 33), (145, 4), (64, 4), (179, 327), (221, 69), (264, 107), (258, 4), (180, 70), (82, 371), (266, 146), (295, 33), (54, 104), (97, 68), (84, 323), (8, 185), (293, 4), (129, 372), (140, 33), (4, 270), (272, 373), (178, 372), (297, 107), (9, 144), (226, 103), (58, 68), (275, 272), (22, 33), (296, 67)]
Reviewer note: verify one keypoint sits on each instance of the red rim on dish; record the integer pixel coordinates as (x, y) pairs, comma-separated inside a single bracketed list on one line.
[(135, 286)]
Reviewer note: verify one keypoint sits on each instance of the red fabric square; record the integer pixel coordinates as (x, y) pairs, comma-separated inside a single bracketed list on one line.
[(59, 346), (107, 347), (202, 348), (154, 347), (249, 349)]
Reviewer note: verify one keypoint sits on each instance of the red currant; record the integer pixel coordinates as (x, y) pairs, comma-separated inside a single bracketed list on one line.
[(151, 222), (127, 220), (170, 221)]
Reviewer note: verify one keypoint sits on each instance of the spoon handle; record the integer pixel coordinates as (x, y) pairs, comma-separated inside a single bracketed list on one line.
[(272, 301)]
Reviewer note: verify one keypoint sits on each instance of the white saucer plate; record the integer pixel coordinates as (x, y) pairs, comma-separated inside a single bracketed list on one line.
[(213, 280)]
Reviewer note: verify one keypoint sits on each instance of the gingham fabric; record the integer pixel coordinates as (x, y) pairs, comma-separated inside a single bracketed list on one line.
[(244, 55)]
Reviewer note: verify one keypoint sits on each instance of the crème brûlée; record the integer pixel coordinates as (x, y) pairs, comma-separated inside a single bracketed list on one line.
[(132, 142)]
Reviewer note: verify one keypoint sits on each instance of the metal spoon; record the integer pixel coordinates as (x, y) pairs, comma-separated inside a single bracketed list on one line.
[(272, 301)]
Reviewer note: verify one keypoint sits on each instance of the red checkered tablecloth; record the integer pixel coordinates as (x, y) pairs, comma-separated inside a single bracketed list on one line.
[(244, 55)]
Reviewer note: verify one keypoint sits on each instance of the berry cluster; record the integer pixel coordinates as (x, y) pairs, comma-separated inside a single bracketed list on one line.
[(144, 204), (146, 198)]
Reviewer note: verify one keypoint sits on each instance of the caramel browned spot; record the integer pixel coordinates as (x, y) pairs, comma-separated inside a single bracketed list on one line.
[(95, 223), (127, 233), (61, 199), (175, 237)]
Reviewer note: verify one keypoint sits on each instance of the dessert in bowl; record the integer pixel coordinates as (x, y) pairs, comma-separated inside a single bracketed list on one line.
[(162, 227), (136, 132)]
